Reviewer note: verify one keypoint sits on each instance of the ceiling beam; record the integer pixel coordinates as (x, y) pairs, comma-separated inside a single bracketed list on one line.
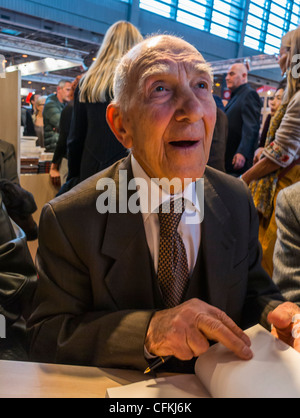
[(42, 66), (257, 62), (52, 79), (40, 49)]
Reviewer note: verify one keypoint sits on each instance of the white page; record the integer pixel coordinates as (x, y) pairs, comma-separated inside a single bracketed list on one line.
[(274, 371), (180, 386)]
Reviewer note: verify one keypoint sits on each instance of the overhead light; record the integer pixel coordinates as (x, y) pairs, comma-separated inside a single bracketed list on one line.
[(24, 56), (43, 66)]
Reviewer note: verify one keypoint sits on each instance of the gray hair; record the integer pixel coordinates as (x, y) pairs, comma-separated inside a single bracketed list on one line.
[(62, 83)]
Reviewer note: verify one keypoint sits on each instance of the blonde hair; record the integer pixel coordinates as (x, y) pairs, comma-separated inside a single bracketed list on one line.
[(97, 84), (291, 42)]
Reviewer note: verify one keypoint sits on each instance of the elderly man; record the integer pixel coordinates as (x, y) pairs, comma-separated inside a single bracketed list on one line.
[(119, 287), (243, 112)]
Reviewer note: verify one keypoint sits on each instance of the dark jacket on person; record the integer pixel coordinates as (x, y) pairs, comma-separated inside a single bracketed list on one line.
[(92, 146), (219, 141), (64, 130), (17, 285), (243, 111), (97, 287), (29, 129), (20, 205), (51, 114), (8, 162)]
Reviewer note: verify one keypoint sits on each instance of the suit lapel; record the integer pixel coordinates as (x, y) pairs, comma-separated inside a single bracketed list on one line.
[(130, 278), (218, 245)]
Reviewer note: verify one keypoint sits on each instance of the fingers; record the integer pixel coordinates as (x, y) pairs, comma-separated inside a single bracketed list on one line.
[(55, 181), (238, 161), (219, 327), (283, 327), (282, 316), (184, 332)]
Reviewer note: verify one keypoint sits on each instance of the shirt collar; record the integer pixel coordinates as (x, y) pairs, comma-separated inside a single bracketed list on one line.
[(146, 193)]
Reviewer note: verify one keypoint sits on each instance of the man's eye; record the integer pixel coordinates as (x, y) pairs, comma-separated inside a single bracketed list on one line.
[(159, 89), (202, 85)]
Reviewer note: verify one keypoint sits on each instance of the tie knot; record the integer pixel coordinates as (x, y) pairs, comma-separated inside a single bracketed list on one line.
[(169, 215)]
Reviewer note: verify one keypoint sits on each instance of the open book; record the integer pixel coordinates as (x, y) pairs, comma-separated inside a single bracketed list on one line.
[(274, 372)]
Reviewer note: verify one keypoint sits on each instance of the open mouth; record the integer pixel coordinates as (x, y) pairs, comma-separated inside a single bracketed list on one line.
[(183, 144)]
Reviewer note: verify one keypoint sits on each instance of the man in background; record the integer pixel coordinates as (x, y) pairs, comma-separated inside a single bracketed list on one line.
[(243, 111), (52, 111)]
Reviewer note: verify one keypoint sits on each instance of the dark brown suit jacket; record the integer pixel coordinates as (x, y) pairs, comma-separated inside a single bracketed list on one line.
[(97, 289)]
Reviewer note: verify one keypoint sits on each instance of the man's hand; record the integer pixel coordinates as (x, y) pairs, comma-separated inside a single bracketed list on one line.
[(184, 331), (55, 175), (281, 319), (238, 161)]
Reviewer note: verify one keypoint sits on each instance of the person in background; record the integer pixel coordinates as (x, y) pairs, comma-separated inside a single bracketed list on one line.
[(8, 162), (118, 287), (243, 112), (33, 101), (275, 103), (38, 120), (219, 141), (278, 165), (52, 111), (91, 145), (59, 166), (19, 203), (17, 285), (27, 116), (286, 258)]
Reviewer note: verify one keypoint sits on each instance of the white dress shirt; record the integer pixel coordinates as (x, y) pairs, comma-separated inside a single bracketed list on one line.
[(190, 233)]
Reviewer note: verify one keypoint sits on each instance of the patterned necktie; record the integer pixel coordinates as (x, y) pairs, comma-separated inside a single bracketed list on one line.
[(173, 273)]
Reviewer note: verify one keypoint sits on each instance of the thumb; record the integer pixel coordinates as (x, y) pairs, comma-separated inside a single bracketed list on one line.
[(282, 316)]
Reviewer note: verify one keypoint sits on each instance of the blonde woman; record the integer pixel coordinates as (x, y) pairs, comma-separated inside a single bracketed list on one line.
[(279, 162), (91, 145), (38, 120)]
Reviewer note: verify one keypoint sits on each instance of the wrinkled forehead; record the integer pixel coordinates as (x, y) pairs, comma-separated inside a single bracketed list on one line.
[(163, 56)]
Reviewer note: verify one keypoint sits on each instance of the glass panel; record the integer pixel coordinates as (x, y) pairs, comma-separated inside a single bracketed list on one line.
[(274, 30), (277, 10), (271, 50), (251, 43), (268, 21), (256, 11), (190, 20), (219, 30), (157, 7), (254, 21), (191, 6), (273, 41)]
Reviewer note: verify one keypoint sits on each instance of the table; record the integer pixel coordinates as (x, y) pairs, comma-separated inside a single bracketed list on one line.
[(38, 380)]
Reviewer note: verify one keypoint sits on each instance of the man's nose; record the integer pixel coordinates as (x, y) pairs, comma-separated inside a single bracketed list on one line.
[(190, 108)]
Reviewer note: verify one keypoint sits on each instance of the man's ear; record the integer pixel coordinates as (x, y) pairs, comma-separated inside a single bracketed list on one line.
[(114, 119)]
